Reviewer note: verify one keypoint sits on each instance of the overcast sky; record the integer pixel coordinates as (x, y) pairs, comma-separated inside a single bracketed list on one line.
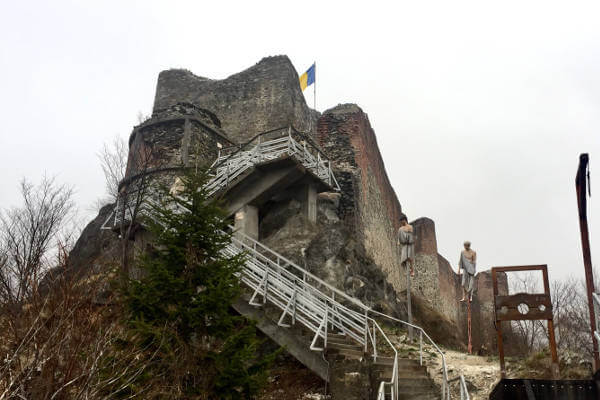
[(481, 109)]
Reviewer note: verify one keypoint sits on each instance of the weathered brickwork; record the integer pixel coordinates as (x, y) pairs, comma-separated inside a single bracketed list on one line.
[(369, 205), (425, 283), (445, 292), (345, 134), (263, 97)]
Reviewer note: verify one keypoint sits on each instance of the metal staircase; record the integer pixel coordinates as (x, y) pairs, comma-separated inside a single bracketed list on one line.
[(334, 319), (234, 162), (326, 311), (266, 147)]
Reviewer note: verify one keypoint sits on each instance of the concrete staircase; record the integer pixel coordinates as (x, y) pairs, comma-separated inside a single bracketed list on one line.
[(413, 379)]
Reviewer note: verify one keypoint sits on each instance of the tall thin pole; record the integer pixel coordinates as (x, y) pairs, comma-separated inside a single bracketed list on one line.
[(470, 344), (315, 88), (580, 185), (408, 299)]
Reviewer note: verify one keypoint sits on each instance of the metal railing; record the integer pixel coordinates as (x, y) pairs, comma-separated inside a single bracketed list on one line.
[(445, 387), (305, 298), (319, 306), (464, 392), (234, 161), (596, 297), (300, 295)]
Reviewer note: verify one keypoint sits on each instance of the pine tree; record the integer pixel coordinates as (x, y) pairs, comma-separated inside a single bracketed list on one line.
[(179, 311)]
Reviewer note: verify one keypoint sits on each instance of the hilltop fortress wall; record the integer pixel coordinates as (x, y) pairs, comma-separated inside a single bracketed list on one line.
[(370, 204), (353, 243)]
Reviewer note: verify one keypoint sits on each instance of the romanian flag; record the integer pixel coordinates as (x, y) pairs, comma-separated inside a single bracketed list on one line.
[(308, 78)]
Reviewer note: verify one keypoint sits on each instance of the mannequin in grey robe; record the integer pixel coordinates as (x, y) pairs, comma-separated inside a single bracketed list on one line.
[(406, 241), (467, 262)]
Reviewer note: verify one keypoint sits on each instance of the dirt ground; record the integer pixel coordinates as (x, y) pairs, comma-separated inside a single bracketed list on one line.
[(290, 380)]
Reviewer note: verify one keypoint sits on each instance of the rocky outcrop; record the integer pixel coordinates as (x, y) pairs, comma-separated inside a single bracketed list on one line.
[(329, 250), (263, 97), (95, 247)]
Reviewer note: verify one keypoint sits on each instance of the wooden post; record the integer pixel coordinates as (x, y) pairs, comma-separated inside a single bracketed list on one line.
[(409, 302), (498, 328), (580, 186), (470, 344), (554, 368)]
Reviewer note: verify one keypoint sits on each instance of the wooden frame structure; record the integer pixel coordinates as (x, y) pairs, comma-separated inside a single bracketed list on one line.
[(539, 307)]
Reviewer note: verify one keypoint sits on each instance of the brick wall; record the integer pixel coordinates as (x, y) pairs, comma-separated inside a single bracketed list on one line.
[(371, 208), (368, 200)]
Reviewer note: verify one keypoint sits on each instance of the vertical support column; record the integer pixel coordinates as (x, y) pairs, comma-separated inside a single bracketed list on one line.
[(498, 327), (554, 368), (246, 221), (309, 202), (185, 142)]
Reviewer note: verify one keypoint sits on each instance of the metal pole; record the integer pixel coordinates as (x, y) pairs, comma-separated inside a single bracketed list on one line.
[(315, 91), (421, 347), (498, 328), (580, 185), (366, 330), (409, 302), (470, 345)]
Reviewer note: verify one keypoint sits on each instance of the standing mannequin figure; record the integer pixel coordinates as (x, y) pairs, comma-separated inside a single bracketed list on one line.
[(468, 259), (406, 240)]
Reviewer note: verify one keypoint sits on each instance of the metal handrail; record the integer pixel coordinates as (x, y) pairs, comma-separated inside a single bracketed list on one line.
[(393, 383), (464, 391), (281, 260), (263, 252), (596, 300), (445, 387), (228, 167), (296, 297)]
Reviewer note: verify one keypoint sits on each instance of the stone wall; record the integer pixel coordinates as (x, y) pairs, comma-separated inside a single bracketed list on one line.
[(440, 286), (353, 242), (370, 207), (368, 200), (182, 135), (263, 97)]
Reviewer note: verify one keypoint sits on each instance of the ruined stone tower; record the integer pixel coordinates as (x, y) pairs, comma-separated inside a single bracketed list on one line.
[(345, 237)]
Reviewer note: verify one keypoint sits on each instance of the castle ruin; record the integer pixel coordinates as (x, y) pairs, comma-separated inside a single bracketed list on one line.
[(341, 227)]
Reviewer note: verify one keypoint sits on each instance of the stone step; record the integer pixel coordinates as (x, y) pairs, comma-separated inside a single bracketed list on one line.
[(343, 342), (415, 394), (403, 374), (422, 382), (419, 396), (344, 346), (401, 367), (402, 362), (351, 354)]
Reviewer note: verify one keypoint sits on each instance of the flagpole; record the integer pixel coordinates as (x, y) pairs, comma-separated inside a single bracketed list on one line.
[(315, 89)]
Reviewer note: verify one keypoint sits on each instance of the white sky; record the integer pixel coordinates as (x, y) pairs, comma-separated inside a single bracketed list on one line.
[(481, 109)]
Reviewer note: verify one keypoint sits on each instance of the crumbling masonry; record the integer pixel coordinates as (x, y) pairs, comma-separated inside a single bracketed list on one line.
[(346, 237)]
